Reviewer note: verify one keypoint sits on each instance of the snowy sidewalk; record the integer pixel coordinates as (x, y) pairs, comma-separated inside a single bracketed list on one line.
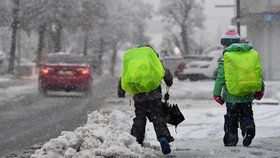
[(9, 81), (11, 87)]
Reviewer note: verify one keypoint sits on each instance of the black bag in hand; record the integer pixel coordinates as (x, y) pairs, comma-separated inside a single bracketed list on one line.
[(173, 114)]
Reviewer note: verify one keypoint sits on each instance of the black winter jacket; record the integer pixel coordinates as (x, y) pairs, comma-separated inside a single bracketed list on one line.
[(155, 94)]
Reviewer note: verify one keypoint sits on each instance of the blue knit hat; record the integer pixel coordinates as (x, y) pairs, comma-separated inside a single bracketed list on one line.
[(230, 37)]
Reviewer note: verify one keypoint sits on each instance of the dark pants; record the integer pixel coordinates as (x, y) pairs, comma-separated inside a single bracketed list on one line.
[(241, 113), (153, 110)]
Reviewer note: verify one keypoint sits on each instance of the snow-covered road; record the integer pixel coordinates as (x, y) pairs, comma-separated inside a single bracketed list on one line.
[(27, 118)]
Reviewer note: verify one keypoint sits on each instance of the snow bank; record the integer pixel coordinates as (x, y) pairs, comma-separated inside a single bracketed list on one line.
[(102, 136)]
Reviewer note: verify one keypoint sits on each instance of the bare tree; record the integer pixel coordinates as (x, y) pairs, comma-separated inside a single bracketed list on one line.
[(120, 31), (97, 27), (183, 16), (92, 15), (19, 14), (41, 33), (15, 26)]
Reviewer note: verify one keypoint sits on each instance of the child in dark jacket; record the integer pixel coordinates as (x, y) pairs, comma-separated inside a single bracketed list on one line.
[(239, 108), (149, 105)]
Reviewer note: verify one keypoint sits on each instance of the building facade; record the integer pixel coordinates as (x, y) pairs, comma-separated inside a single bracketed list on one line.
[(262, 18)]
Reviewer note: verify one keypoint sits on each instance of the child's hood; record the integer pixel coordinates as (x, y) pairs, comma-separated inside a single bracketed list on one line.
[(239, 47)]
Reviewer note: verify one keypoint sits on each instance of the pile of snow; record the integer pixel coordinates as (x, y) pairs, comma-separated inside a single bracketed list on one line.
[(102, 136)]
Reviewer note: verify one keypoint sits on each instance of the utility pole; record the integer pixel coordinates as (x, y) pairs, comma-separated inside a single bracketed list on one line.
[(15, 27), (237, 6), (18, 49), (238, 16)]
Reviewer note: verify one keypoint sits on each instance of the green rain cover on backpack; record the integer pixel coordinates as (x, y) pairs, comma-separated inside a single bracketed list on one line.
[(142, 71), (243, 71)]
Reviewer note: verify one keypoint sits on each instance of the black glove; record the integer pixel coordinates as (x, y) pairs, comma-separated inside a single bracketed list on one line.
[(121, 92), (121, 95)]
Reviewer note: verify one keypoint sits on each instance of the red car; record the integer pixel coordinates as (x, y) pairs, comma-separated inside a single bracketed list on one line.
[(68, 72)]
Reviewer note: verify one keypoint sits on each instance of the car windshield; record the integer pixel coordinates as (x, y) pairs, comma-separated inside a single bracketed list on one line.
[(67, 59)]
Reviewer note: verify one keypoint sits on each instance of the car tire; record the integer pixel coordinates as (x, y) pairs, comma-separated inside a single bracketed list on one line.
[(193, 78), (179, 78), (43, 91), (88, 90)]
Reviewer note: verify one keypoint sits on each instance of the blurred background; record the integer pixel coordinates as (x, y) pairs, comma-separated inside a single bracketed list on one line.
[(103, 30)]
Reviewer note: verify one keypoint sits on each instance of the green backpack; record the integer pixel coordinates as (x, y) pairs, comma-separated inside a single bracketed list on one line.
[(142, 71), (243, 70)]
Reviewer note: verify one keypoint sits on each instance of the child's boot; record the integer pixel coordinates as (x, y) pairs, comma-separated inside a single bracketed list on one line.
[(165, 147), (230, 139), (248, 136)]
